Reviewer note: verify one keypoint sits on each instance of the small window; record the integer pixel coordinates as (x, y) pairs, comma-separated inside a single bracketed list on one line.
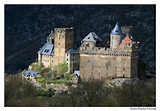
[(67, 54), (67, 59), (47, 50), (88, 37), (73, 59), (123, 69)]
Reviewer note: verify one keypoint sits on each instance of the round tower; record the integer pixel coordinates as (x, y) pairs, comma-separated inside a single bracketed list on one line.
[(115, 36)]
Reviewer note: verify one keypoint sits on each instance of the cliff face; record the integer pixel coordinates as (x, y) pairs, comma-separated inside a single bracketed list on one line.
[(27, 28)]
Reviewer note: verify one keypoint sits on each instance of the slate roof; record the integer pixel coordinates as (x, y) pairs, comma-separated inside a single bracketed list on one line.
[(72, 51), (92, 37), (29, 73), (117, 30), (77, 73), (47, 49)]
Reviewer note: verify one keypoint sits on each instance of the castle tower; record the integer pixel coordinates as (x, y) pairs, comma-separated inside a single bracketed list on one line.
[(92, 40), (115, 36), (63, 40)]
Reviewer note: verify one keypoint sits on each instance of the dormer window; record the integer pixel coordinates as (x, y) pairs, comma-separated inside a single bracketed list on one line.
[(88, 37), (47, 50)]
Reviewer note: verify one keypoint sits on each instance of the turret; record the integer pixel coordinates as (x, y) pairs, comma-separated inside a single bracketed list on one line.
[(115, 36), (91, 40)]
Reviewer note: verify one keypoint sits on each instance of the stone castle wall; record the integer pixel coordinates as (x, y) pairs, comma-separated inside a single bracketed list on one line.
[(101, 62), (62, 42)]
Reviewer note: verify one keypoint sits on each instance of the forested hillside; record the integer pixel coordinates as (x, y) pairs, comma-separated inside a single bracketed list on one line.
[(27, 27)]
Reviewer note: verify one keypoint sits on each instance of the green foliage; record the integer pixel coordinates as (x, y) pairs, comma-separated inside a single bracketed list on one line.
[(135, 94), (64, 80), (87, 93), (46, 93), (62, 67), (70, 76), (41, 80), (38, 67), (45, 70), (16, 89)]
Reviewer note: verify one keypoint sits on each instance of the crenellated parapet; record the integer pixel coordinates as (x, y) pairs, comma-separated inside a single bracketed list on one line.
[(104, 51)]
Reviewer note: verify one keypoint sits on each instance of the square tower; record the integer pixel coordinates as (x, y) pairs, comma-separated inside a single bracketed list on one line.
[(62, 42)]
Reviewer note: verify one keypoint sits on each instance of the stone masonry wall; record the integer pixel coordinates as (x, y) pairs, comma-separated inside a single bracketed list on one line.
[(102, 66), (63, 41)]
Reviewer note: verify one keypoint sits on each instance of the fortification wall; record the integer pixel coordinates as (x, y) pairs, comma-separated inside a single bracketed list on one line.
[(105, 51), (103, 66)]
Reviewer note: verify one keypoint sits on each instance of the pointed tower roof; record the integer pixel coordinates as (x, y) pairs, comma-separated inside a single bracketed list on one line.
[(117, 30), (92, 37)]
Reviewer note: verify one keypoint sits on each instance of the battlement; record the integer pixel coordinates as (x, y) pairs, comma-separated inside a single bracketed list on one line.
[(104, 51), (60, 30)]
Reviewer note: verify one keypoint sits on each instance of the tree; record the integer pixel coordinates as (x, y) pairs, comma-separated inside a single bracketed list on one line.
[(62, 67), (16, 89), (90, 93)]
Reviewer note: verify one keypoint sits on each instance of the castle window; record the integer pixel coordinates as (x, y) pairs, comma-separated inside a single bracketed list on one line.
[(47, 50), (67, 63), (67, 54), (123, 69), (67, 59)]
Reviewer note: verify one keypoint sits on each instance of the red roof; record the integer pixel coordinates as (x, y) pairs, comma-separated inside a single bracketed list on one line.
[(125, 40)]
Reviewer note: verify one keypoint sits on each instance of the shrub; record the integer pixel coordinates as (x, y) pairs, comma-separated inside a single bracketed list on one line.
[(61, 68), (41, 80)]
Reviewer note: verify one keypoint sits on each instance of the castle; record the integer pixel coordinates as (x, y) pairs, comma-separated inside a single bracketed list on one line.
[(59, 48), (118, 60)]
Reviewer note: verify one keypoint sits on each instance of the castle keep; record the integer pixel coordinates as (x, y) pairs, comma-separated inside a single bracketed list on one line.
[(59, 48), (118, 59)]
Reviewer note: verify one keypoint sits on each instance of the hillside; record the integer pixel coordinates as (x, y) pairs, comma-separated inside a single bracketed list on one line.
[(27, 27)]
